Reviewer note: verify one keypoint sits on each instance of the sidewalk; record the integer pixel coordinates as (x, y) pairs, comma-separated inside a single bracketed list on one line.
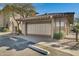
[(63, 49), (4, 33)]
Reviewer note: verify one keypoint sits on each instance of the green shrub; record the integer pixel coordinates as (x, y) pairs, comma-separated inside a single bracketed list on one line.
[(19, 32), (58, 35), (3, 29)]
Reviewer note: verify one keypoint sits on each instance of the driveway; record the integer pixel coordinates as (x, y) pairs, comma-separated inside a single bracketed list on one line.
[(18, 45), (20, 42), (10, 45), (36, 38)]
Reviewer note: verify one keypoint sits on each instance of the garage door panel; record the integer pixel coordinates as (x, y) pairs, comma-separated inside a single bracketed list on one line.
[(40, 29)]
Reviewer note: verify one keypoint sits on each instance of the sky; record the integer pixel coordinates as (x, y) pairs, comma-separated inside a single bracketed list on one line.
[(1, 5), (42, 8)]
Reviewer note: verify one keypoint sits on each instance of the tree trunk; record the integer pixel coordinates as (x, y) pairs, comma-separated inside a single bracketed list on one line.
[(18, 28), (76, 36), (16, 22)]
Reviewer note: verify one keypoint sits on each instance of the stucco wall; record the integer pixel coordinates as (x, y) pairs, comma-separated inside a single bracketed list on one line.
[(63, 24), (45, 28), (2, 21), (23, 28)]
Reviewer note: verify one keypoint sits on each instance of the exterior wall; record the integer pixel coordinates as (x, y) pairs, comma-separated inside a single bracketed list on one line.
[(46, 28), (67, 28), (43, 28), (23, 28), (61, 24), (2, 21), (55, 25)]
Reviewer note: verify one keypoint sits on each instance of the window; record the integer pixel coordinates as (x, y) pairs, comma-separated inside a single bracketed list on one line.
[(57, 24), (62, 23)]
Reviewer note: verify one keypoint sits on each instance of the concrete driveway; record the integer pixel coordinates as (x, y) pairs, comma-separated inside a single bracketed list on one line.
[(10, 46), (36, 38), (18, 45)]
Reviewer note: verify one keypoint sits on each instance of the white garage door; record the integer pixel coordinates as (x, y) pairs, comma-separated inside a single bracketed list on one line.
[(40, 29)]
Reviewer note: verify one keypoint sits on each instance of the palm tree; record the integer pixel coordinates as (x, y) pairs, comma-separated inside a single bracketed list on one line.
[(24, 10)]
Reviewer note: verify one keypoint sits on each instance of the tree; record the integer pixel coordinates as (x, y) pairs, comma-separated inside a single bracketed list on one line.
[(24, 10), (76, 30)]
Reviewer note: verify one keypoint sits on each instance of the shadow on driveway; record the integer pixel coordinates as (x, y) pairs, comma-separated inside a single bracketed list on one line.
[(14, 43)]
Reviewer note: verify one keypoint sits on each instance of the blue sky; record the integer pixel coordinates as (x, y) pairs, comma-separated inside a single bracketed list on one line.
[(1, 5), (42, 8)]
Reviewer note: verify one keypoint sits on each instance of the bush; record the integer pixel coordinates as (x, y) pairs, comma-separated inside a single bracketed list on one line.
[(19, 32), (3, 29), (74, 29), (58, 35)]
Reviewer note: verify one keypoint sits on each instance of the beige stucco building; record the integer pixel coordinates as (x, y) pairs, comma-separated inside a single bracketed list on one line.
[(46, 24), (3, 20)]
